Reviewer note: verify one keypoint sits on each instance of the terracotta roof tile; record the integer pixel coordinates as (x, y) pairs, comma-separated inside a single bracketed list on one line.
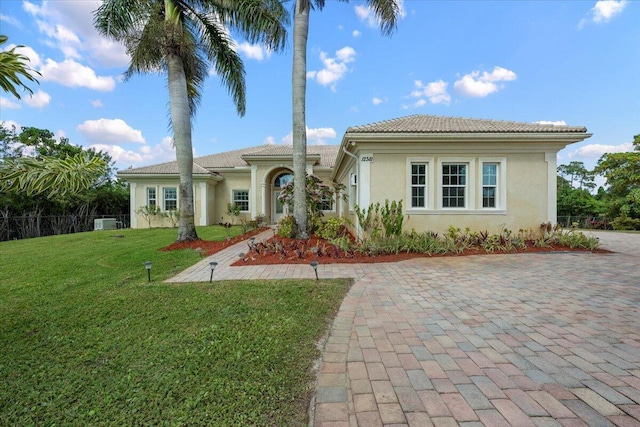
[(423, 123)]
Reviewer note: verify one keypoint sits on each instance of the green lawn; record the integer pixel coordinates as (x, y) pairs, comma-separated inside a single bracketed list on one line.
[(86, 340)]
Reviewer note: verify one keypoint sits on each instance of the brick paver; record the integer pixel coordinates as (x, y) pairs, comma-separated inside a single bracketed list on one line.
[(520, 339)]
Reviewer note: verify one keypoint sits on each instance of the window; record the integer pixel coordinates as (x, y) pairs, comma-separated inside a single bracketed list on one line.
[(170, 198), (326, 204), (282, 180), (418, 185), (241, 199), (151, 196), (454, 185), (489, 184)]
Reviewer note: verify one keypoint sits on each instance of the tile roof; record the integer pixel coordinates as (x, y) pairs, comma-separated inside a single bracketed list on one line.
[(423, 123), (234, 158), (168, 168)]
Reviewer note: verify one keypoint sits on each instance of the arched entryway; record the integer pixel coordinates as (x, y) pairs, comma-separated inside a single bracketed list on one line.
[(280, 178)]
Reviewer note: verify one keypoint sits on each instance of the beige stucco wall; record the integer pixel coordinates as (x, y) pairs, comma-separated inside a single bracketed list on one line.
[(524, 203)]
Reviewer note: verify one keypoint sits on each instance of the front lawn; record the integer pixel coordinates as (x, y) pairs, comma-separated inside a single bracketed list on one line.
[(86, 340)]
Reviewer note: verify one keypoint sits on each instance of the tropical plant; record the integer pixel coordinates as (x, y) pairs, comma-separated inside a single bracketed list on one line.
[(13, 67), (181, 38), (50, 176), (316, 193), (149, 212), (387, 12)]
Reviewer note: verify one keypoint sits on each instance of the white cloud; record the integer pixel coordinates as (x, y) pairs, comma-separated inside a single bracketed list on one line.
[(554, 123), (109, 131), (356, 33), (96, 103), (68, 26), (479, 85), (436, 92), (419, 103), (38, 99), (73, 74), (376, 101), (269, 140), (253, 51), (595, 151), (9, 104), (366, 13), (316, 136), (604, 10), (10, 124), (10, 20), (334, 68)]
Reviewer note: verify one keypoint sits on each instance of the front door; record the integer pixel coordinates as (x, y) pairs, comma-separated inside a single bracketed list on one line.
[(278, 209)]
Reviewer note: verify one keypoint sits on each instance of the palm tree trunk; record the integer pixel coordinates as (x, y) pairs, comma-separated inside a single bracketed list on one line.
[(181, 123), (300, 34)]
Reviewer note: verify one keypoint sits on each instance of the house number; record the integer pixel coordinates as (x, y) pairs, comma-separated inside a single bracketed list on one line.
[(366, 159)]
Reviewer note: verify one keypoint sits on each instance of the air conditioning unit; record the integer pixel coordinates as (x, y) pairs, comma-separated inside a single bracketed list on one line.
[(353, 179), (104, 224)]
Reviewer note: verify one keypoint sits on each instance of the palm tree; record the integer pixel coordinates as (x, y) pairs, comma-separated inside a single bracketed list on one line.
[(51, 176), (12, 66), (387, 12), (181, 38)]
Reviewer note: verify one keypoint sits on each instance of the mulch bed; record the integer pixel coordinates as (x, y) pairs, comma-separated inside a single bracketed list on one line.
[(209, 247), (305, 254)]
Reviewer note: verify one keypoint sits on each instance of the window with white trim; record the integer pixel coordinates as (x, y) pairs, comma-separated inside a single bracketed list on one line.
[(151, 196), (418, 185), (489, 185), (241, 199), (454, 185), (170, 196), (326, 204)]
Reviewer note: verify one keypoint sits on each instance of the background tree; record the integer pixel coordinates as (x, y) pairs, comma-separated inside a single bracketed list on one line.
[(577, 176), (180, 38), (40, 173), (13, 67), (622, 172), (386, 12)]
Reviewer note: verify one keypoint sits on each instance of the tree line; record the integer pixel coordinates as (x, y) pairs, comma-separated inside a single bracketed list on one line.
[(618, 200), (41, 176)]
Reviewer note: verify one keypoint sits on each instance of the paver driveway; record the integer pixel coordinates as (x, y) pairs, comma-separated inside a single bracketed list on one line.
[(520, 340)]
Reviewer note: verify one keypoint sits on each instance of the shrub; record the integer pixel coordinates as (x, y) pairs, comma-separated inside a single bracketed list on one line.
[(332, 228), (287, 227)]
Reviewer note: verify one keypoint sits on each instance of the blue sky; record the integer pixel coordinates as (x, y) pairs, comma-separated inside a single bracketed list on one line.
[(572, 62)]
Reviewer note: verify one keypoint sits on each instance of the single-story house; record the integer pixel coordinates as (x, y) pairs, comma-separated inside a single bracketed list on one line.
[(448, 171)]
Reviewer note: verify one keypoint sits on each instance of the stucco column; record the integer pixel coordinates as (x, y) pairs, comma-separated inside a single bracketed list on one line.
[(254, 191), (204, 202), (552, 195), (133, 220), (364, 179), (264, 199)]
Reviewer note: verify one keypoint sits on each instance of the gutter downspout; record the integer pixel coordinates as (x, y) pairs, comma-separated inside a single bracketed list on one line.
[(344, 150)]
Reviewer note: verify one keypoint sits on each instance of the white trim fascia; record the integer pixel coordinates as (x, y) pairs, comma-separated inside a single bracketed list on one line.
[(560, 137)]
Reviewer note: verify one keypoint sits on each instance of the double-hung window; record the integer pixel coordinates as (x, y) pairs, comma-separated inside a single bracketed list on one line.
[(170, 196), (151, 196), (418, 185), (241, 199), (489, 185), (454, 185), (326, 204)]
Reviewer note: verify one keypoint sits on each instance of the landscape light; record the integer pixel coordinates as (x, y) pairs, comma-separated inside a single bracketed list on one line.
[(314, 265), (213, 266), (147, 265)]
